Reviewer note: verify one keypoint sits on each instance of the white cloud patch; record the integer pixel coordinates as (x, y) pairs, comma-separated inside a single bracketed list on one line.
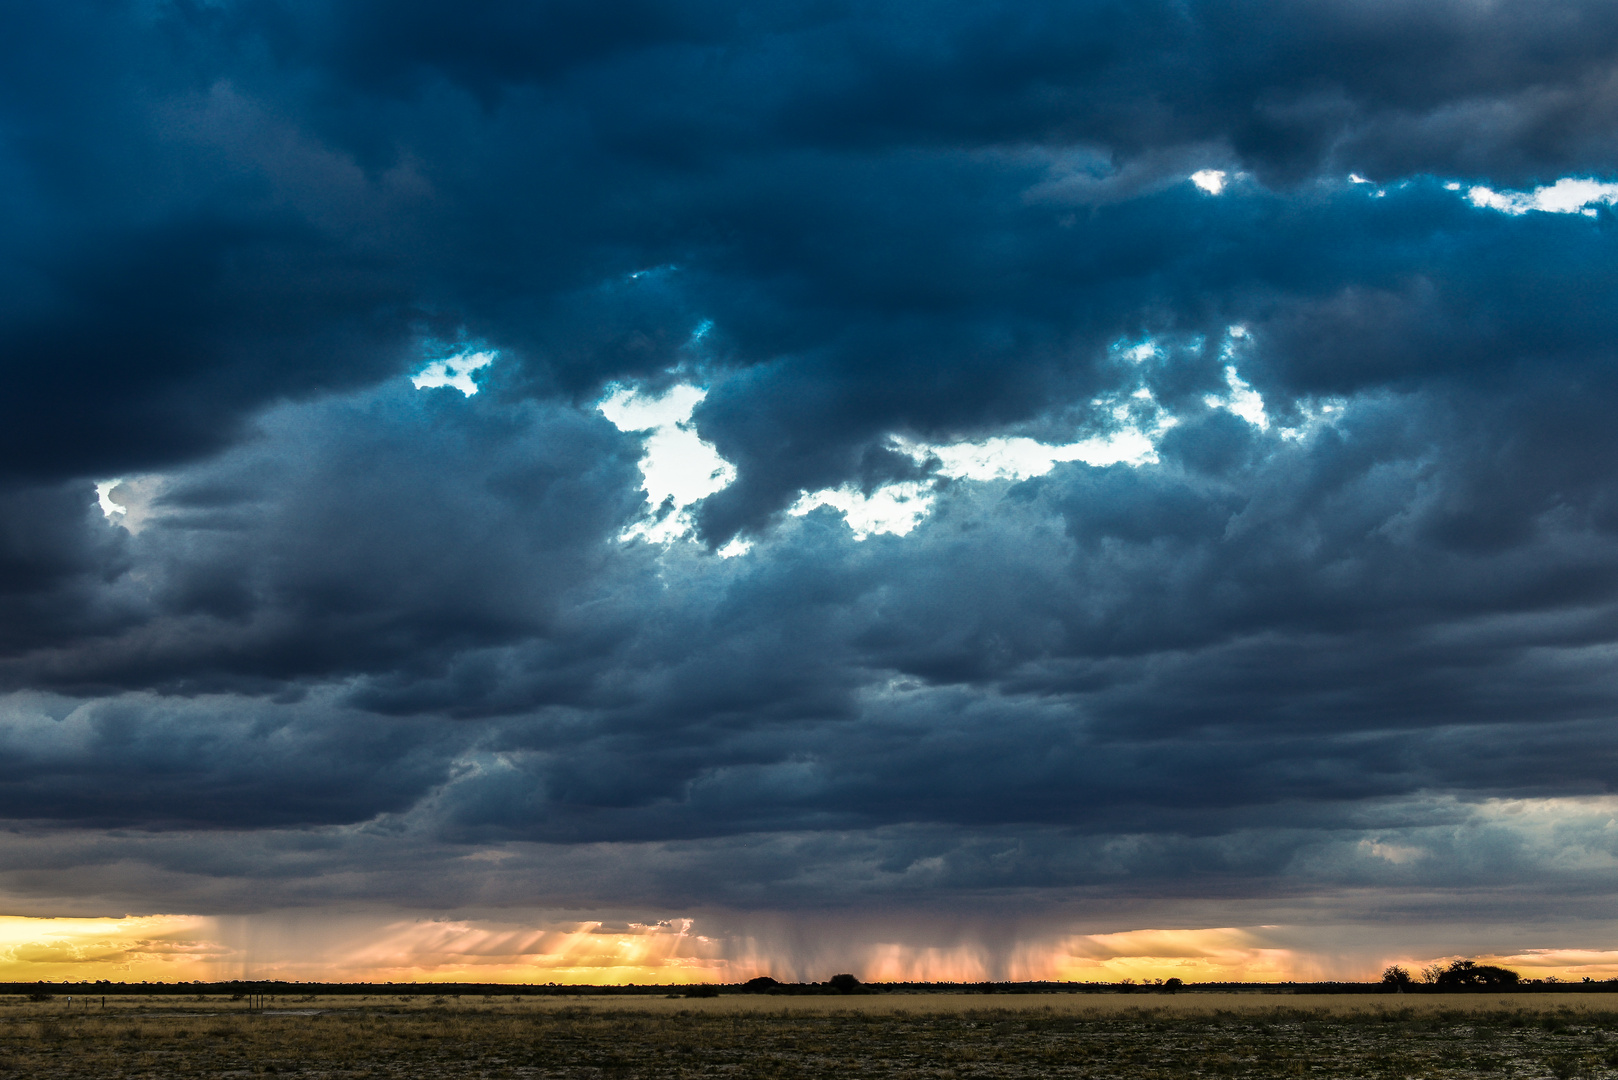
[(104, 498), (678, 467), (899, 508), (130, 503), (1315, 416), (1210, 180), (736, 547), (455, 371), (1138, 353), (893, 508), (1397, 854), (1241, 399), (1018, 458), (1569, 195)]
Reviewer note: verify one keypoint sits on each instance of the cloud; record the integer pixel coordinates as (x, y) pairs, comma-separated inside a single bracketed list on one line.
[(453, 371), (1119, 502), (130, 949), (678, 467), (1569, 195)]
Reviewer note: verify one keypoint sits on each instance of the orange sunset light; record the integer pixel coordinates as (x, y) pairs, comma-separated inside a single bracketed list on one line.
[(175, 948)]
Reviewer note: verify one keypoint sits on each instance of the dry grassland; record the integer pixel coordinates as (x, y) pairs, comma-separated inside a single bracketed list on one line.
[(925, 1036)]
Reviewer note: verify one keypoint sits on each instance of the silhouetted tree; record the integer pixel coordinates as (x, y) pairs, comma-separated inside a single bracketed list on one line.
[(1397, 977), (844, 984), (1465, 973)]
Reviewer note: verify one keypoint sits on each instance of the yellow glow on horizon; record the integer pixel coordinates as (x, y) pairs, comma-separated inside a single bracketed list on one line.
[(591, 953), (1563, 965), (316, 947), (157, 948), (1221, 954)]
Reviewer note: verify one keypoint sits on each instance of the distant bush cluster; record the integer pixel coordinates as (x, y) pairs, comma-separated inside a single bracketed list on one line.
[(1459, 975)]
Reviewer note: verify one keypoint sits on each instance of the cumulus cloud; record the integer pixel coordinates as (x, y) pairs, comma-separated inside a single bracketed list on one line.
[(1116, 498)]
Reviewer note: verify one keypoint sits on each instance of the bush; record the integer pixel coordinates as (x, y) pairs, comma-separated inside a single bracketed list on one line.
[(1465, 973), (844, 984)]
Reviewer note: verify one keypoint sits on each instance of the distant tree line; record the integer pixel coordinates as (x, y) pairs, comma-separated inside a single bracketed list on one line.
[(1459, 975)]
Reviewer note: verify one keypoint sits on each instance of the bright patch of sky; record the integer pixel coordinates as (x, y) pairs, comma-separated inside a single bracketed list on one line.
[(1240, 399), (1356, 178), (1141, 353), (736, 547), (453, 371), (1398, 854), (104, 498), (1210, 180), (1316, 415), (130, 503), (892, 508), (678, 468), (1133, 442), (1569, 195), (898, 508)]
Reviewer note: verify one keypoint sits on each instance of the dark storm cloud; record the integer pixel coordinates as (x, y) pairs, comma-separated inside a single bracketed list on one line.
[(384, 531), (1096, 648), (343, 604), (214, 206), (210, 763)]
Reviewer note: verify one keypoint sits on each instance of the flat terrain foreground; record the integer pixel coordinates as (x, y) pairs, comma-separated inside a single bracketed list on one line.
[(943, 1035)]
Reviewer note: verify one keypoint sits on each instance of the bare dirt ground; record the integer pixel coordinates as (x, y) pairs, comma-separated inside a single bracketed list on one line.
[(925, 1036)]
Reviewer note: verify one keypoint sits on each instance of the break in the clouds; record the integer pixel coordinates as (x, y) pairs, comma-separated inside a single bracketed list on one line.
[(948, 483)]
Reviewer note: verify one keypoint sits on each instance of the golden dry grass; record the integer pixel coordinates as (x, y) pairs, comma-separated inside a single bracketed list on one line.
[(1184, 1003), (947, 1036)]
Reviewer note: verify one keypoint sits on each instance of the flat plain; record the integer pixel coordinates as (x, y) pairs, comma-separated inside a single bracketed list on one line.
[(1560, 1036)]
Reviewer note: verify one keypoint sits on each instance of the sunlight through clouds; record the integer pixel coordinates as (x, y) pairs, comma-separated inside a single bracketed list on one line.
[(893, 508), (454, 371), (131, 503), (1240, 400), (1133, 442), (128, 949), (678, 467), (1569, 195), (1212, 955), (104, 491)]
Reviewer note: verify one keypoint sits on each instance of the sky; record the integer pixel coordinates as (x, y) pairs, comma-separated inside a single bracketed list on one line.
[(638, 491)]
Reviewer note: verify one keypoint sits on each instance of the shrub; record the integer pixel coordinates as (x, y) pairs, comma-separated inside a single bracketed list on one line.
[(1465, 973)]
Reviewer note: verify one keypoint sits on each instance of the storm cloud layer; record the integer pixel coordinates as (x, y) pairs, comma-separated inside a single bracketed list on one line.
[(1146, 453)]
